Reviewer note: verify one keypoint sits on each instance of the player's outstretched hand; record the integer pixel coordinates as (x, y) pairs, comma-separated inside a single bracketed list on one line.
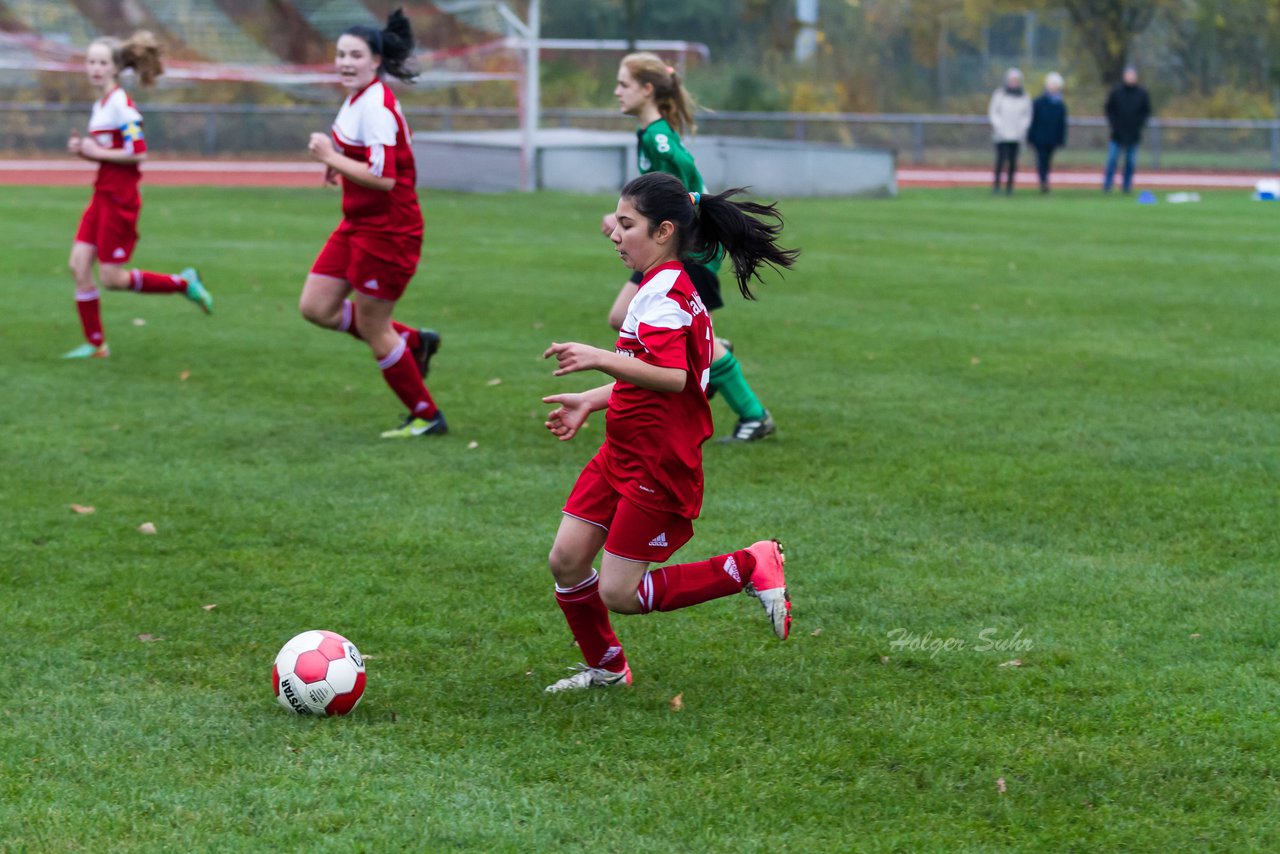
[(321, 147), (608, 224), (571, 414), (73, 143), (574, 357)]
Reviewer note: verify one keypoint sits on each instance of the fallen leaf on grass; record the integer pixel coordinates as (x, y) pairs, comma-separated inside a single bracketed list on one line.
[(147, 528), (1017, 662), (975, 361), (677, 702), (495, 381), (471, 446), (182, 377), (1194, 635), (138, 321), (83, 509), (884, 659), (208, 607), (1000, 787), (815, 632), (146, 638)]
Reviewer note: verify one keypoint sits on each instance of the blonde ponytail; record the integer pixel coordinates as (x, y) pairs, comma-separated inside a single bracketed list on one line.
[(141, 52)]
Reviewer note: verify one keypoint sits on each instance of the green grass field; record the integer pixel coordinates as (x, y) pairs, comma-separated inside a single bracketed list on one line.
[(1051, 423)]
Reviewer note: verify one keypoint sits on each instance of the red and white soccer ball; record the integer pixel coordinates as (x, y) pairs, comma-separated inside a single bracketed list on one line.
[(318, 673)]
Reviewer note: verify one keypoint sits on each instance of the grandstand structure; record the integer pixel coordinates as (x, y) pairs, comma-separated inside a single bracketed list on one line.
[(286, 42)]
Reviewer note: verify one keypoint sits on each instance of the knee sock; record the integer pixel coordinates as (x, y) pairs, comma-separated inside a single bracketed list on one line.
[(588, 619), (670, 587), (726, 376), (348, 324), (146, 282), (401, 373), (88, 305)]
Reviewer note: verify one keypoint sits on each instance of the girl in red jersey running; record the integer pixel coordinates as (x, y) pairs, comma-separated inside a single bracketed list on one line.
[(376, 248), (639, 495), (109, 228)]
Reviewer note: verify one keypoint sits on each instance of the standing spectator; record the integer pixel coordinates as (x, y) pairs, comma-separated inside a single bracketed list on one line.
[(1128, 108), (1010, 114), (1048, 126)]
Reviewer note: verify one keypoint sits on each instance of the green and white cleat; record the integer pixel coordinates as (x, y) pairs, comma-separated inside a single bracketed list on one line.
[(414, 426), (88, 351), (196, 291)]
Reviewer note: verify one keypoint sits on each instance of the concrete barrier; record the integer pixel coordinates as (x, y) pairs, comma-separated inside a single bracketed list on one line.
[(583, 161)]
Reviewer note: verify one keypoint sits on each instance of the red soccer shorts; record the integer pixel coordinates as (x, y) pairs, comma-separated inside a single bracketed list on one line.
[(378, 267), (110, 226), (635, 532)]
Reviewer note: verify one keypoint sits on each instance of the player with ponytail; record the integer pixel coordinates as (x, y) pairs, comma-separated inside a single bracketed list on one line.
[(639, 495), (375, 250), (108, 229), (654, 93)]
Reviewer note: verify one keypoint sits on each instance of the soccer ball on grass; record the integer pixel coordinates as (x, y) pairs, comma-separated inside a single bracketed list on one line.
[(318, 673)]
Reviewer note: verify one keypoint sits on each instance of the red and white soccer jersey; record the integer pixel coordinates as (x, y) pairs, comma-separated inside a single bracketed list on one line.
[(111, 221), (377, 246), (116, 124), (652, 454), (371, 128)]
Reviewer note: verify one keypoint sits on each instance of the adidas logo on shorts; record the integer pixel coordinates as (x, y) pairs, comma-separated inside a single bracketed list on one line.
[(372, 284), (119, 253), (660, 541)]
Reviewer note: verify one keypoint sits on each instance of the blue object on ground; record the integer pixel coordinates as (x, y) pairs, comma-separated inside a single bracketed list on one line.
[(1146, 197)]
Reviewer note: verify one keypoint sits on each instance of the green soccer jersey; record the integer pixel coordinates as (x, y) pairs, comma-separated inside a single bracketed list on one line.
[(659, 149)]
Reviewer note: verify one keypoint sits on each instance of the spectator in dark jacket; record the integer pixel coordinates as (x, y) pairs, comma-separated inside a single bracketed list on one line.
[(1048, 129), (1128, 108)]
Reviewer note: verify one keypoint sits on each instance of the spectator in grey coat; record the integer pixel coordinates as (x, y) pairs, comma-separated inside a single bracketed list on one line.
[(1010, 114), (1048, 126)]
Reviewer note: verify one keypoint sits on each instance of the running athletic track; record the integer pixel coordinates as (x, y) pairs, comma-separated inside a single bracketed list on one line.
[(266, 173)]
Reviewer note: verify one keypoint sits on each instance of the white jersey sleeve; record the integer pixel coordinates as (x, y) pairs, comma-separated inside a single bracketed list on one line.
[(379, 130)]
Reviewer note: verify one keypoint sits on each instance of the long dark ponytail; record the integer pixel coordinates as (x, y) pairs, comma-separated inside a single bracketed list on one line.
[(394, 43), (707, 225)]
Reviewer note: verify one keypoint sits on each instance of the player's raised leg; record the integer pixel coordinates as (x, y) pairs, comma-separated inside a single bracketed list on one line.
[(324, 302), (756, 570), (423, 343), (188, 283)]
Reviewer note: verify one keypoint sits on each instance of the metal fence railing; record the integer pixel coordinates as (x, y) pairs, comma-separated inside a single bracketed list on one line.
[(210, 130)]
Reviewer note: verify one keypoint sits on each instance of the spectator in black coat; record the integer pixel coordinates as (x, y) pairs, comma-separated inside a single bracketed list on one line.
[(1048, 129), (1128, 108)]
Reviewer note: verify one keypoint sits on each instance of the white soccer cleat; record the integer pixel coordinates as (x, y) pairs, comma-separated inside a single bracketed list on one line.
[(591, 677), (768, 583)]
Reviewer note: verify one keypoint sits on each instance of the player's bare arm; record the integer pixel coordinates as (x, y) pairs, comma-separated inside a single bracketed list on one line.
[(573, 410), (90, 150), (574, 357), (322, 149)]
